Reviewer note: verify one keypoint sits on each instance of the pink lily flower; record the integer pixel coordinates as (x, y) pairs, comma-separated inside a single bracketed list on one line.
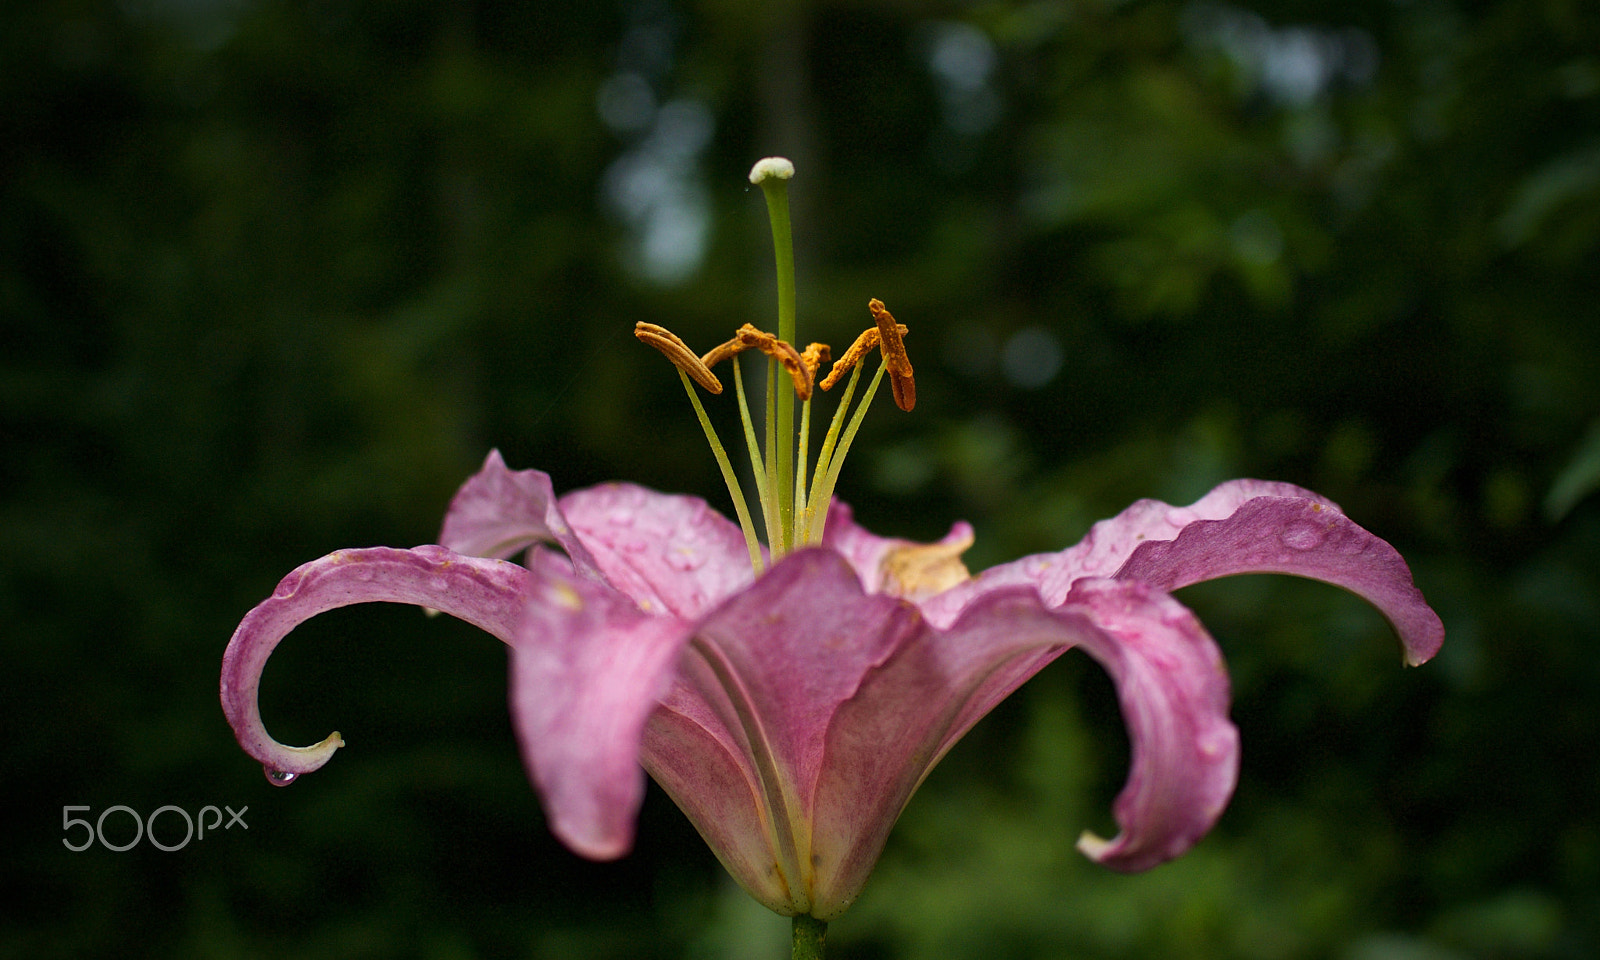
[(792, 696), (792, 715)]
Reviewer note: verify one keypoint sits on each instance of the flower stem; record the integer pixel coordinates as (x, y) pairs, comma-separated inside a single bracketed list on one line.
[(810, 936), (777, 542)]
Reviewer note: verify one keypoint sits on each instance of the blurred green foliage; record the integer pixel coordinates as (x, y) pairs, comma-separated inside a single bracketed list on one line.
[(275, 276)]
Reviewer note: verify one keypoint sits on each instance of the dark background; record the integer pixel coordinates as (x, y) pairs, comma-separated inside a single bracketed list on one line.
[(275, 276)]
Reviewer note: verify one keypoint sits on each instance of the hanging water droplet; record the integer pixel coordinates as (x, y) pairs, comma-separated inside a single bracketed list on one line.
[(280, 778), (1302, 536)]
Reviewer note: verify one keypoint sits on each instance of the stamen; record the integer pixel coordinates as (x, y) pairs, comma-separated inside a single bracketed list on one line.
[(894, 356), (789, 357), (865, 344), (814, 356), (678, 352), (750, 338)]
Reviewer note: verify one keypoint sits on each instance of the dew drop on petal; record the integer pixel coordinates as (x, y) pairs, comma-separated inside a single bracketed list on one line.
[(280, 778), (1302, 536), (621, 518)]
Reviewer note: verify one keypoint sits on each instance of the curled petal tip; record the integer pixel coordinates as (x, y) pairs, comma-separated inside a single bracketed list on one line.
[(593, 846), (1093, 846), (283, 763)]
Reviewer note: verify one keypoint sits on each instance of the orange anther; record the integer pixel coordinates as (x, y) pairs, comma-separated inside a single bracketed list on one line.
[(865, 344), (675, 350), (894, 356), (750, 338), (814, 356)]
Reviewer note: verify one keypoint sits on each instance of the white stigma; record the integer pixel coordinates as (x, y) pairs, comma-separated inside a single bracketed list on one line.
[(770, 167)]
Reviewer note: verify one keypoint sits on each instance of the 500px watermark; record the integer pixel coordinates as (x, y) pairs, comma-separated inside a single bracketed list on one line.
[(146, 827)]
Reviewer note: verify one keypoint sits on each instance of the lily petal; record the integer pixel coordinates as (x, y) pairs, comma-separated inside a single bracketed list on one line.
[(762, 679), (498, 512), (1242, 526), (910, 710), (1307, 538), (669, 553), (587, 668), (485, 593)]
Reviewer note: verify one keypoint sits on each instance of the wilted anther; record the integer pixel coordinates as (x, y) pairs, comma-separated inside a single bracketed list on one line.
[(894, 356), (814, 356), (750, 338), (865, 344), (674, 349)]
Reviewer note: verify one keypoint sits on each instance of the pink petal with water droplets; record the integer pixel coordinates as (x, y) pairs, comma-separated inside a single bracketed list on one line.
[(911, 709), (498, 513), (587, 668), (758, 687), (485, 593), (1242, 526), (671, 554), (1307, 538)]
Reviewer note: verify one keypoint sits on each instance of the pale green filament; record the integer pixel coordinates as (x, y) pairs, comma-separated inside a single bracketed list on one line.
[(822, 487), (727, 476), (808, 520), (769, 509), (802, 513), (817, 512), (778, 538)]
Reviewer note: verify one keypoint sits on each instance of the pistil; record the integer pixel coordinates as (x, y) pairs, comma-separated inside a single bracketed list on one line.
[(772, 175)]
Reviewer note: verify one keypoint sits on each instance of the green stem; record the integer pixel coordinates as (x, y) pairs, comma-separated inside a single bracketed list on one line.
[(776, 190), (728, 476), (810, 937), (779, 543)]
